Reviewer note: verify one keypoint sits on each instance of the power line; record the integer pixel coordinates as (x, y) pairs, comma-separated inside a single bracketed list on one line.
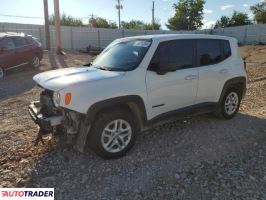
[(35, 17), (19, 16)]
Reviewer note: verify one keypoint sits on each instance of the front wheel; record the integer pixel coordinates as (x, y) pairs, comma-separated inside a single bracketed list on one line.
[(2, 73), (113, 134), (230, 104), (35, 62)]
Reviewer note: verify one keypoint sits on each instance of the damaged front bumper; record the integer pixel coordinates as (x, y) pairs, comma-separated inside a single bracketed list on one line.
[(75, 126), (46, 124)]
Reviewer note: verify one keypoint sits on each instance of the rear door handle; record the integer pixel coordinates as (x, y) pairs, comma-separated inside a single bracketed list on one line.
[(223, 71), (191, 77)]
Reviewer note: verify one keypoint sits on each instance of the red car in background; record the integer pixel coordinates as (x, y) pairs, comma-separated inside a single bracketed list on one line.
[(17, 50)]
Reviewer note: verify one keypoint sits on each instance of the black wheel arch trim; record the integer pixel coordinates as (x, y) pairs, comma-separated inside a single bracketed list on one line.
[(116, 102), (234, 81)]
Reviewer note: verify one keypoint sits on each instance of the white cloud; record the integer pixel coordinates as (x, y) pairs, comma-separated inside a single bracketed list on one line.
[(207, 24), (251, 16), (224, 7), (207, 11), (173, 13), (246, 5)]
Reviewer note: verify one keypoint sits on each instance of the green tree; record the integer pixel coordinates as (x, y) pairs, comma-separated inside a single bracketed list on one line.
[(66, 20), (237, 19), (99, 22), (149, 26), (140, 25), (188, 15), (133, 24), (259, 11), (224, 21)]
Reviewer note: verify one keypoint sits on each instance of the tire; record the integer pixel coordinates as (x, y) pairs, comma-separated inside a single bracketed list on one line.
[(106, 138), (230, 104), (2, 73), (35, 62), (59, 130)]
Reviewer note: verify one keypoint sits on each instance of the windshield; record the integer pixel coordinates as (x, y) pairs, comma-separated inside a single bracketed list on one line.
[(122, 56)]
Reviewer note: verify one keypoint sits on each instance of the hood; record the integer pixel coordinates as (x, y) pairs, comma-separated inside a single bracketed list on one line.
[(56, 80)]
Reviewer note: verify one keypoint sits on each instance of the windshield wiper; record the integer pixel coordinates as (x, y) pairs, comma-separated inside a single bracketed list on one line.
[(103, 68), (88, 64)]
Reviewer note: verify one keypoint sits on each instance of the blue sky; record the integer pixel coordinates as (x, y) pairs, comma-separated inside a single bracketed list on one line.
[(133, 9)]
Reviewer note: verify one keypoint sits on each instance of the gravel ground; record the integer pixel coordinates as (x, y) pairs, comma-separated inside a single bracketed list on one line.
[(194, 158)]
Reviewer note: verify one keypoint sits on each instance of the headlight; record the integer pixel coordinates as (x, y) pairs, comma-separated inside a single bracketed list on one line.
[(56, 99)]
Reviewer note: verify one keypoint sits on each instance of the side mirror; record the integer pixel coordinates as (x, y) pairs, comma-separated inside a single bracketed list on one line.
[(164, 67)]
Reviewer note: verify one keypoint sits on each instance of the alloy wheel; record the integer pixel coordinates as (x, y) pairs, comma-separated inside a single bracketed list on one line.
[(36, 61), (231, 103), (1, 73), (116, 136)]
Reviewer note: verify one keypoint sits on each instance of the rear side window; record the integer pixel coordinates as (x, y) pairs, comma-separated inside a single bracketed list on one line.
[(226, 49), (177, 52), (209, 51), (20, 42), (30, 40)]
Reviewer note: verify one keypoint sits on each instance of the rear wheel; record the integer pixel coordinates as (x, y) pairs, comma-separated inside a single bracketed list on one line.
[(230, 104), (2, 73), (113, 134), (35, 62)]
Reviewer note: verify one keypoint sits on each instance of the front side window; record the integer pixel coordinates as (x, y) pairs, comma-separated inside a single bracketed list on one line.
[(19, 41), (175, 52), (209, 51), (122, 56)]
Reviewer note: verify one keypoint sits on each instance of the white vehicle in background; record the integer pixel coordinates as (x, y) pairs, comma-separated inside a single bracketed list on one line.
[(136, 82)]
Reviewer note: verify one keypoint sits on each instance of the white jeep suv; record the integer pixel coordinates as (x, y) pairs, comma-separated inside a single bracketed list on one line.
[(136, 82)]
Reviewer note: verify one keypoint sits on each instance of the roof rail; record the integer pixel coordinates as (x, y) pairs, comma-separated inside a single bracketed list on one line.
[(3, 34)]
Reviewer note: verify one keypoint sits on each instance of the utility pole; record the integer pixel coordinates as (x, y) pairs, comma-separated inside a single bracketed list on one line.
[(152, 15), (119, 7), (57, 27), (91, 20), (46, 22)]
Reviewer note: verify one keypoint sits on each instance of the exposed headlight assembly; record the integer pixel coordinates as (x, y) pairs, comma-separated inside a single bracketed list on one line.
[(56, 99)]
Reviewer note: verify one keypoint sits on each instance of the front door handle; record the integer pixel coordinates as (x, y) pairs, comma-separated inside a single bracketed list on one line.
[(191, 77)]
